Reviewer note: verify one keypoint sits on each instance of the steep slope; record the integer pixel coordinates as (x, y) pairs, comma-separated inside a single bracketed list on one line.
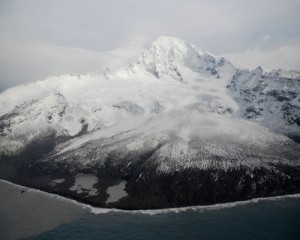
[(269, 98), (170, 124), (171, 56)]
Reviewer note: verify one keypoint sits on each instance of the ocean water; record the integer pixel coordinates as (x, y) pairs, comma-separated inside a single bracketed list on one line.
[(51, 217)]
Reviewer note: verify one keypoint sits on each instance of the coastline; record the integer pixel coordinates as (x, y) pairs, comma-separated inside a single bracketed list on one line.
[(200, 208)]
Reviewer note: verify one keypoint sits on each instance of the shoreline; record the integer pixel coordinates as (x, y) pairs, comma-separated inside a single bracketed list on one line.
[(98, 210)]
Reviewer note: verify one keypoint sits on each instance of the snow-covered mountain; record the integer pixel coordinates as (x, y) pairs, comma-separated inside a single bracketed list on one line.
[(269, 98), (171, 56), (176, 114), (170, 76)]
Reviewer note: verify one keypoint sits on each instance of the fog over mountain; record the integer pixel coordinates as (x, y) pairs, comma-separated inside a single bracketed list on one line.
[(39, 39)]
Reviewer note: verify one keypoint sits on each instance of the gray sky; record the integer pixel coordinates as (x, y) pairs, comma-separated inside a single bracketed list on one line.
[(49, 37)]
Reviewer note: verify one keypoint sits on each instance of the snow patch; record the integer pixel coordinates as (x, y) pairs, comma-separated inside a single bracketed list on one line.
[(84, 184)]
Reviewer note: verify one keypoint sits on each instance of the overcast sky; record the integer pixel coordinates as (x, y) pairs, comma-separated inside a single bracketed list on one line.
[(42, 38)]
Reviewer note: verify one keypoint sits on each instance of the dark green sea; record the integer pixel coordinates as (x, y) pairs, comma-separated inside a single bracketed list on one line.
[(37, 215)]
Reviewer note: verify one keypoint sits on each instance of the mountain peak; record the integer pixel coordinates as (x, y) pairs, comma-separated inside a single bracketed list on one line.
[(167, 55), (169, 49), (172, 46)]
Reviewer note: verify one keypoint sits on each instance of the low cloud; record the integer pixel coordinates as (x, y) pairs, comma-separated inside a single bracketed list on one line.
[(43, 38), (21, 63), (285, 57)]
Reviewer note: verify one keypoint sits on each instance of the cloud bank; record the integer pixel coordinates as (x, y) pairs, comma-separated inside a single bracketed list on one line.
[(41, 38)]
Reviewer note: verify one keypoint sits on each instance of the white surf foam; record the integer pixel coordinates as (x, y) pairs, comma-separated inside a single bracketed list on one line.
[(194, 208)]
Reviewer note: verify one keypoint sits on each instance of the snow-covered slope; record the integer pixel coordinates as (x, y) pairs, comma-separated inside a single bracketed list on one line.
[(173, 57), (269, 98)]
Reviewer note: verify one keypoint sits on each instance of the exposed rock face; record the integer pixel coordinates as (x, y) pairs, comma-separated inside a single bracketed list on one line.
[(181, 126), (269, 98)]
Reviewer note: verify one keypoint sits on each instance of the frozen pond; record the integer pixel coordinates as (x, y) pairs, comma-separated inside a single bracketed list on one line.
[(116, 192), (84, 183), (56, 181)]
